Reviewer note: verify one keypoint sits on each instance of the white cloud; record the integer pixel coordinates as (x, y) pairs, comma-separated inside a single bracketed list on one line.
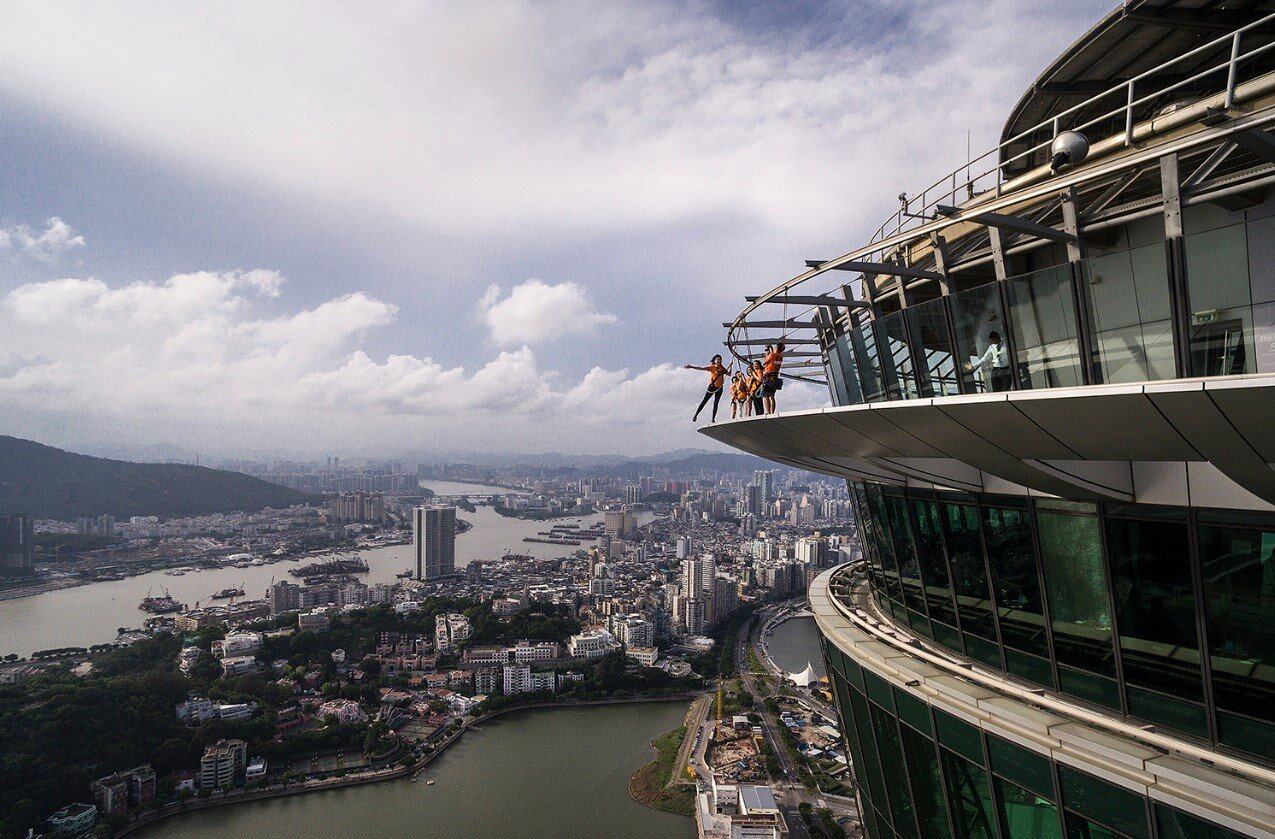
[(55, 239), (535, 311), (534, 120), (197, 350)]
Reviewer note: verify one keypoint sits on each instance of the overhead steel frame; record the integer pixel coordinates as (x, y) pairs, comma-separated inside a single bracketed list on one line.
[(1006, 195)]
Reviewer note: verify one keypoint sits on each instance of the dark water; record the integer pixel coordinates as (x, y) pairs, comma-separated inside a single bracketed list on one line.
[(793, 643), (559, 773)]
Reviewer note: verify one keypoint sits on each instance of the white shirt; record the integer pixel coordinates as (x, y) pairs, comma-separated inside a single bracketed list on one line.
[(996, 354)]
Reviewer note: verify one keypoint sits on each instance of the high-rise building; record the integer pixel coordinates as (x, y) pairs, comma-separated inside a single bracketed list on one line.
[(17, 546), (434, 539), (683, 547), (1053, 384), (764, 480), (693, 579)]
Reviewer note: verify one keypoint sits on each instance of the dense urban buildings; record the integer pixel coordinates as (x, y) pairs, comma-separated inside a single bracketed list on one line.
[(1053, 404), (434, 539)]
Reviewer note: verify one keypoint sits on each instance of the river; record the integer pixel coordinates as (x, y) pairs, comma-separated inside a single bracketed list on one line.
[(91, 614), (559, 773), (795, 642)]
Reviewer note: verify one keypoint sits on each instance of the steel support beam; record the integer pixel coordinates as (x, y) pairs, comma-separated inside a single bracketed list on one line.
[(1014, 224), (884, 268), (774, 324), (761, 342), (1210, 163), (810, 300)]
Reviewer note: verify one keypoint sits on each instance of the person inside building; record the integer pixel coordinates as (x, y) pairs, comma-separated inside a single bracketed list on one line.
[(994, 362), (716, 381), (771, 365)]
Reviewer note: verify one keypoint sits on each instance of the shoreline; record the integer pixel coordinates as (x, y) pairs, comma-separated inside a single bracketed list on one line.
[(391, 774)]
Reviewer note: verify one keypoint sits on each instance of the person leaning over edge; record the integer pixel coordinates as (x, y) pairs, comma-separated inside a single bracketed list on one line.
[(996, 357), (771, 365), (716, 380)]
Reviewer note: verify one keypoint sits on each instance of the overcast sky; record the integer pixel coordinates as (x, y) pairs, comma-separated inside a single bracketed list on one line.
[(368, 228)]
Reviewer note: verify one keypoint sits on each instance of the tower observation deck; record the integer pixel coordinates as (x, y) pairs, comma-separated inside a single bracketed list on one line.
[(1052, 382)]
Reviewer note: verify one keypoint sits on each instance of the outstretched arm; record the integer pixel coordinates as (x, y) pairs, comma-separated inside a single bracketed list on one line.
[(693, 367)]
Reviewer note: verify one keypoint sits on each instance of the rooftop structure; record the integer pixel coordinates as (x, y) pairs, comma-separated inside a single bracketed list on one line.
[(1052, 381)]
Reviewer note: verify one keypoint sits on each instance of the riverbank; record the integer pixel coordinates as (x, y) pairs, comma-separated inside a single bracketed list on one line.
[(377, 776), (652, 785)]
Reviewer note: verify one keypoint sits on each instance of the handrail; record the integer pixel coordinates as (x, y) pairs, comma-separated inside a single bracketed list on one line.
[(971, 671), (878, 243)]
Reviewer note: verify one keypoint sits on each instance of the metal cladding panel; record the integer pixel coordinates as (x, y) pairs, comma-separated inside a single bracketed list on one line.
[(941, 471), (876, 431), (1250, 407), (1195, 415), (844, 439), (798, 432), (878, 422), (1109, 426), (958, 441), (1001, 423)]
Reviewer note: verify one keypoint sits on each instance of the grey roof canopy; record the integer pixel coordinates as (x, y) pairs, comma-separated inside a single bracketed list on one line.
[(1135, 37)]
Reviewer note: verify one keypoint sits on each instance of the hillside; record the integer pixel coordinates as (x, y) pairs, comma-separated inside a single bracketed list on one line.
[(50, 483)]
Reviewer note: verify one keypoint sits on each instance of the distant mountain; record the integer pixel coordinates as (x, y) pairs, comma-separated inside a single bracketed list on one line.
[(50, 483)]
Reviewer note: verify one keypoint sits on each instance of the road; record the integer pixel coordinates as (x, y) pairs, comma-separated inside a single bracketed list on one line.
[(790, 791)]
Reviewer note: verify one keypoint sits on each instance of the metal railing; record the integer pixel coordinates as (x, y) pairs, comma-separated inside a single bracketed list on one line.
[(948, 189), (985, 173)]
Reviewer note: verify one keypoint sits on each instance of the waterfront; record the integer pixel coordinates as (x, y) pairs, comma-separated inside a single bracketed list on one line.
[(793, 643), (91, 614), (560, 772)]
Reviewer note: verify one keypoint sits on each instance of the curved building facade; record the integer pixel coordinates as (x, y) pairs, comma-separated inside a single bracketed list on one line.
[(1052, 377)]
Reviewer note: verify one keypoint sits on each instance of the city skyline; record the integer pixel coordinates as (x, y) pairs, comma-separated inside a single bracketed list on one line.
[(315, 227)]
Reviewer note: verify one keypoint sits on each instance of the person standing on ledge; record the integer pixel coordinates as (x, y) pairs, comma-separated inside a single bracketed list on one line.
[(756, 386), (771, 365), (996, 359), (716, 381), (738, 397)]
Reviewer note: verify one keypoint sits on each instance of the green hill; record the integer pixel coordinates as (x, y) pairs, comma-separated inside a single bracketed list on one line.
[(50, 483)]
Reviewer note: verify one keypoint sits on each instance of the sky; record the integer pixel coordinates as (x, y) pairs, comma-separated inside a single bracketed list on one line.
[(300, 229)]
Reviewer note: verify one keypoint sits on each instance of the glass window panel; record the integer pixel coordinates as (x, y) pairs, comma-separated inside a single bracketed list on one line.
[(977, 316), (970, 796), (1129, 314), (909, 569), (1042, 315), (1221, 325), (878, 689), (896, 779), (871, 768), (983, 650), (1264, 336), (959, 735), (912, 710), (936, 370), (1014, 578), (1081, 828), (1155, 606), (1032, 668), (1100, 690), (1174, 824), (929, 548), (1025, 768), (1026, 815), (896, 357), (1167, 710), (1105, 803), (927, 784), (884, 544), (867, 362), (1238, 566), (832, 364), (1076, 587), (969, 575)]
